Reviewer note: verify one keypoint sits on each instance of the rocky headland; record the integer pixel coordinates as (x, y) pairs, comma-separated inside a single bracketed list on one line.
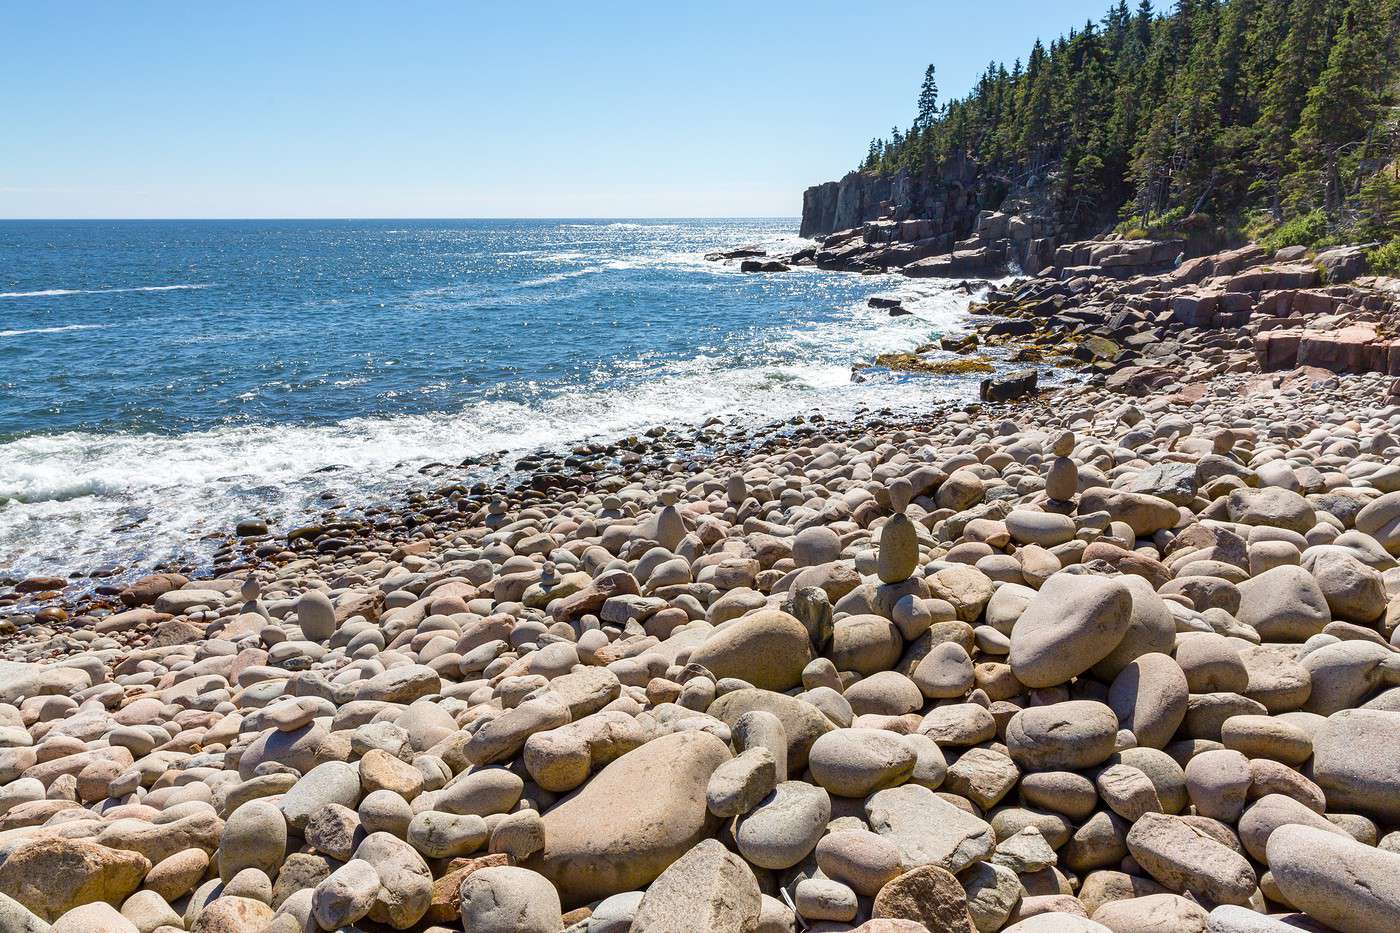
[(1115, 654)]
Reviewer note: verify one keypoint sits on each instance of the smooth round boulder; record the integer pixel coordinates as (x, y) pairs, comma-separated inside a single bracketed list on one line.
[(1354, 591), (814, 546), (447, 835), (1073, 623), (1273, 506), (1218, 781), (1150, 696), (316, 616), (1211, 663), (50, 876), (858, 762), (898, 554), (823, 899), (888, 693), (1046, 529), (177, 875), (930, 895), (1275, 679), (1336, 879), (858, 858), (147, 909), (332, 782), (346, 896), (1380, 518), (506, 899), (1068, 736), (1356, 762), (1142, 513), (967, 589), (1267, 737), (1185, 860), (1155, 913), (928, 829), (1065, 792), (232, 915), (479, 791), (255, 836), (785, 826), (586, 858), (1284, 604), (946, 672), (767, 649), (866, 644), (98, 917)]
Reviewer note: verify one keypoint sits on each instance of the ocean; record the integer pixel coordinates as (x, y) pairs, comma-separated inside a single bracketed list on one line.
[(160, 380)]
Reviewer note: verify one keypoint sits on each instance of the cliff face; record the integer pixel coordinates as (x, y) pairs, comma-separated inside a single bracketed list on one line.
[(943, 213), (949, 201), (844, 204), (958, 220)]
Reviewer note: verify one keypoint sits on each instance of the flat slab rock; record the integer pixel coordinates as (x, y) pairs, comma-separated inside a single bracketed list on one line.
[(927, 829)]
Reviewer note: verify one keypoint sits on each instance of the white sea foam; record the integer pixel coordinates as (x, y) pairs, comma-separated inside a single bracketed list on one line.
[(620, 225), (555, 278), (50, 292), (75, 501), (53, 330)]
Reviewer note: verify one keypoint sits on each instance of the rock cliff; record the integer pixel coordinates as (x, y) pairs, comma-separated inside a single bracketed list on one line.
[(949, 199), (926, 215)]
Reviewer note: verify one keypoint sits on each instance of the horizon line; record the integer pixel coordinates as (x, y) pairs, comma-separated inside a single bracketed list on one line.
[(613, 218)]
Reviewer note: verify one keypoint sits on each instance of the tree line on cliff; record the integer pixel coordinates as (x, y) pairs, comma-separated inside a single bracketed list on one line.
[(1275, 117)]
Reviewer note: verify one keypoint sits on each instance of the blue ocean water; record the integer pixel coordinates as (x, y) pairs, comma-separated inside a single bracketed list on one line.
[(160, 379)]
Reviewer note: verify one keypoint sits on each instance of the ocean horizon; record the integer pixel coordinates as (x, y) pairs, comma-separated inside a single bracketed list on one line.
[(338, 219)]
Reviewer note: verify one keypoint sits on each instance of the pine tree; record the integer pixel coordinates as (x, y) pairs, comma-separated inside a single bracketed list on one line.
[(1229, 107), (928, 100), (872, 156), (1142, 22), (1035, 107), (1286, 94), (1231, 54), (1196, 108), (1341, 107)]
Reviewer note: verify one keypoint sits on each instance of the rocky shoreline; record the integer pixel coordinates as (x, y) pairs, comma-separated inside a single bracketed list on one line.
[(1134, 315), (1118, 654)]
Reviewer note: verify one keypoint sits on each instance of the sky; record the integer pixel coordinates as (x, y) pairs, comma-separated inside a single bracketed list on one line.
[(470, 109)]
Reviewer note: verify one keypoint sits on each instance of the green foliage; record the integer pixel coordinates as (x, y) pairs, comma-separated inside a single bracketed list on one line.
[(928, 100), (1378, 205), (1385, 260), (1232, 108), (1308, 229), (1158, 226)]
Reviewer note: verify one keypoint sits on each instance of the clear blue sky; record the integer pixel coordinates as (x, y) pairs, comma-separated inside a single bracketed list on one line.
[(470, 109)]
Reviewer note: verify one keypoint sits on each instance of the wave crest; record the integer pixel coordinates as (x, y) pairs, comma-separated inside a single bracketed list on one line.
[(52, 292), (53, 330)]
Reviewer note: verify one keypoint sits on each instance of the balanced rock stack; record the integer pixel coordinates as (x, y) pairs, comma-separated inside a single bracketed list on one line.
[(1103, 668)]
